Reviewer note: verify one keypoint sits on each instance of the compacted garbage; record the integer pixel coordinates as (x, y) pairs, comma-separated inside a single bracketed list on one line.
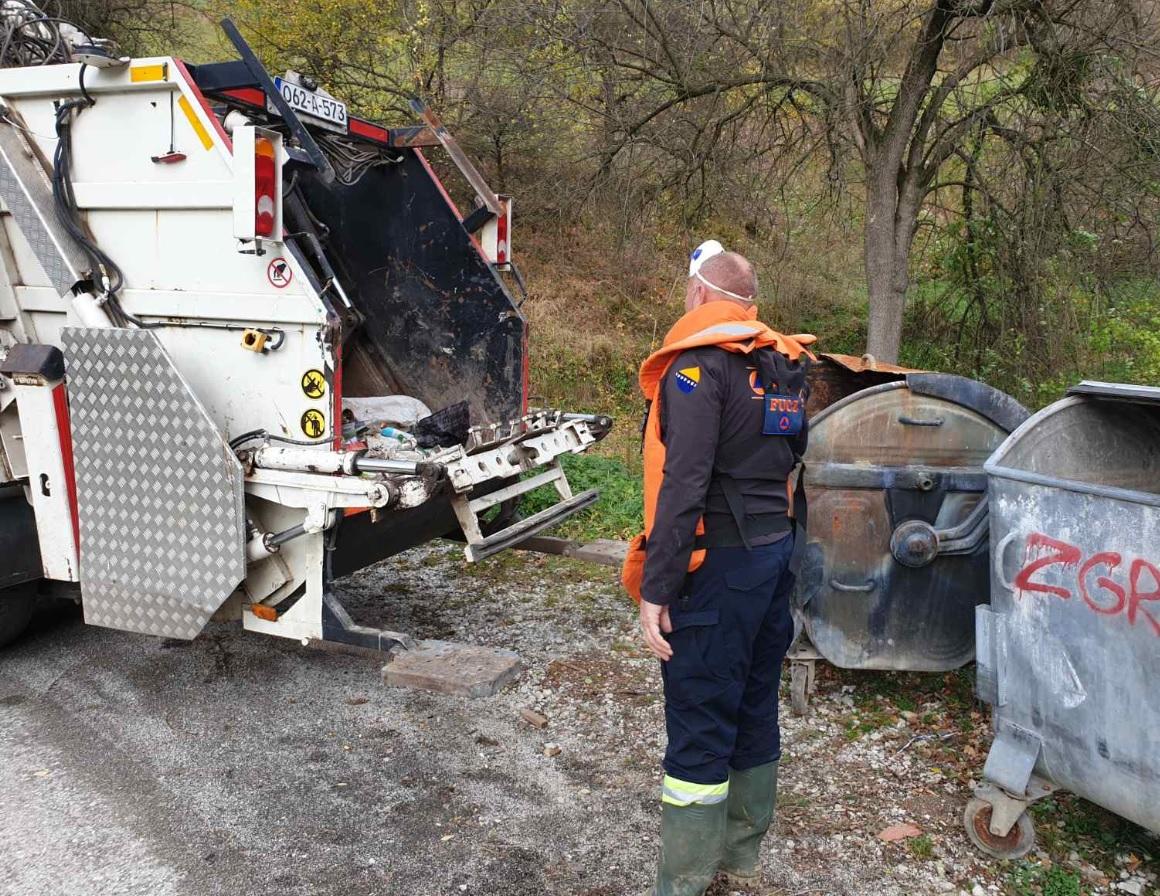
[(1069, 648)]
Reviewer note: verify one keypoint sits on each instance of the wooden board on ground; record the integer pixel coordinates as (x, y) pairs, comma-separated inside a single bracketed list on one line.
[(602, 551), (462, 670)]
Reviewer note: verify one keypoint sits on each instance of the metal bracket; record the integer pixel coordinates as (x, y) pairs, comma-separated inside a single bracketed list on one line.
[(476, 219), (338, 626), (467, 512), (967, 535), (990, 653), (266, 83), (486, 195), (916, 543), (1006, 808), (1012, 758)]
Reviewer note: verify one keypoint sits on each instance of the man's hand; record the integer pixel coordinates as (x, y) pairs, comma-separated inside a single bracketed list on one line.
[(654, 619)]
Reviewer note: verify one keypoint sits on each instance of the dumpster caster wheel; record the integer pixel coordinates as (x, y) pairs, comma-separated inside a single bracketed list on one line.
[(1016, 844), (799, 688)]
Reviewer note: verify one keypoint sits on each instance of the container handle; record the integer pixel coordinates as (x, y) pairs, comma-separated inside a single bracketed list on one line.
[(918, 421), (1000, 555), (867, 586)]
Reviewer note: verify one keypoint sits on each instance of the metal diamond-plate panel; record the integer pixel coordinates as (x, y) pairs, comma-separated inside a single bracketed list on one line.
[(159, 492), (28, 195)]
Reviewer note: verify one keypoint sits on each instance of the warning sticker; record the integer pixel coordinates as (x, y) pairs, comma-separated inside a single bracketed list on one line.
[(279, 274), (313, 384), (313, 423)]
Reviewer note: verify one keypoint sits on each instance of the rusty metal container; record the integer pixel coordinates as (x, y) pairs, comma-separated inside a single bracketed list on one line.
[(1069, 648), (897, 554)]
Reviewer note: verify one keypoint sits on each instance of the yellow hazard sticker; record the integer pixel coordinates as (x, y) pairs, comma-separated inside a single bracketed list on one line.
[(313, 384), (313, 423)]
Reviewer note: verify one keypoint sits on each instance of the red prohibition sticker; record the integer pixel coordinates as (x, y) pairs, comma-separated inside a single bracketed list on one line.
[(279, 274)]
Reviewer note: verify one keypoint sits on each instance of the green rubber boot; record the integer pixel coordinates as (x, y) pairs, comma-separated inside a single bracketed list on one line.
[(751, 803), (691, 841)]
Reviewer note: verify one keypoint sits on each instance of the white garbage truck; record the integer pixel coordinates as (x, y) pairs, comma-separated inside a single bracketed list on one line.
[(248, 345)]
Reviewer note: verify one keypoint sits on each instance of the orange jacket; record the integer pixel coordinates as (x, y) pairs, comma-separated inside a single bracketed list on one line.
[(728, 326)]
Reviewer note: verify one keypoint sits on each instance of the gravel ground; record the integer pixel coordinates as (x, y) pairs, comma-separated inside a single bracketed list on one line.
[(242, 764)]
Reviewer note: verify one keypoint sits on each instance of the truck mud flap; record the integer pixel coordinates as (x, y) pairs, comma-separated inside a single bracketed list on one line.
[(19, 546)]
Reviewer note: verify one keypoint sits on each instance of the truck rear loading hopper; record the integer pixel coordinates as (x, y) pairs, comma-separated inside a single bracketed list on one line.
[(249, 345)]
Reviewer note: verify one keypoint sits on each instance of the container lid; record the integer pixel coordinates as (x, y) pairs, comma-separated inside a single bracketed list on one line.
[(1103, 439), (998, 407), (1116, 391)]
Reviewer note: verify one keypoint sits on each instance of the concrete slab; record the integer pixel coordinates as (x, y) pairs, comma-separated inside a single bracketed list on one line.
[(462, 670), (602, 551)]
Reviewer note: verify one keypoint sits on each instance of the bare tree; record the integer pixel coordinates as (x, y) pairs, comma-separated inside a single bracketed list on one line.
[(901, 87), (139, 26)]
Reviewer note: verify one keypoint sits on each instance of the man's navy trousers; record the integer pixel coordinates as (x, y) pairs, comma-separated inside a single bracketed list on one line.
[(731, 629)]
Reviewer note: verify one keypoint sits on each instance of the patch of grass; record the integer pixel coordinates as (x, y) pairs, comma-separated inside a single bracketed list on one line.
[(1030, 879), (791, 800), (905, 703), (1067, 823), (616, 514), (866, 722), (922, 846)]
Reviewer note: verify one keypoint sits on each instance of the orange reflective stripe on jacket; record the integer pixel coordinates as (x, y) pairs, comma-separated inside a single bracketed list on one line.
[(725, 325)]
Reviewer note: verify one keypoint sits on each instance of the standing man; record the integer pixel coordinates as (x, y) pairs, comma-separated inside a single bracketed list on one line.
[(712, 571)]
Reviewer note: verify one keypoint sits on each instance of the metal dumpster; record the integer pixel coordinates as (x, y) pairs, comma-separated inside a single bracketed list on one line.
[(1069, 649), (897, 553)]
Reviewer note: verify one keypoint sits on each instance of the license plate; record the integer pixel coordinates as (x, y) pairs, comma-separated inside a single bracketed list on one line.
[(321, 110)]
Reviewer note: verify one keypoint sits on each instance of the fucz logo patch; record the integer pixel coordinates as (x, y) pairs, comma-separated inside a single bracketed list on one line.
[(784, 415)]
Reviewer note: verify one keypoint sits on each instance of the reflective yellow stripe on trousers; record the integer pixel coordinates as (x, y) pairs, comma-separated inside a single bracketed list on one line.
[(676, 792)]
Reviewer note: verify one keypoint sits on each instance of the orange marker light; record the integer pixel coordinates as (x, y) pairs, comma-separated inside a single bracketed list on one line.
[(264, 612)]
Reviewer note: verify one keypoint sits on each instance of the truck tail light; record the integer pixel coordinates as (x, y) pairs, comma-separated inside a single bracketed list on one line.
[(265, 187), (257, 166), (503, 239), (495, 238)]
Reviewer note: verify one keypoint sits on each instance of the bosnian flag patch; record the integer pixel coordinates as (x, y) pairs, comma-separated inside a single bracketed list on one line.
[(688, 378)]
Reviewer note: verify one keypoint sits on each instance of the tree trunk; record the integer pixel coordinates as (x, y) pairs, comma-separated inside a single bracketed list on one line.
[(887, 284), (893, 199), (895, 181)]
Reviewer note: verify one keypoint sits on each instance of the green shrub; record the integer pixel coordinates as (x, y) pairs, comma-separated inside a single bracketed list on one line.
[(616, 514)]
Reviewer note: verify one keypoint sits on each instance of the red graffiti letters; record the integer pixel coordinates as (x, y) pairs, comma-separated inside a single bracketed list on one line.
[(1136, 576), (1111, 560), (1053, 561), (1058, 552)]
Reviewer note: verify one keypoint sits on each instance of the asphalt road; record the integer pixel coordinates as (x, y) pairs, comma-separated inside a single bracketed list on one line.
[(239, 764), (245, 764)]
